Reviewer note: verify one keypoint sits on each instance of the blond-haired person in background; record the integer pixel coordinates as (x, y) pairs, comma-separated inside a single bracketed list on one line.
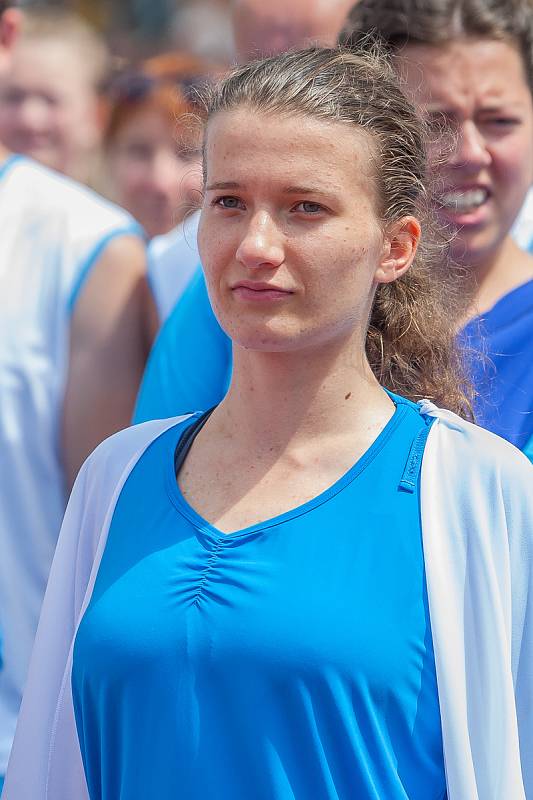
[(50, 106), (75, 328)]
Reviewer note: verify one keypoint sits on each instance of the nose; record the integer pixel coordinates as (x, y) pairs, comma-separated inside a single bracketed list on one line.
[(33, 113), (164, 176), (262, 243), (470, 148)]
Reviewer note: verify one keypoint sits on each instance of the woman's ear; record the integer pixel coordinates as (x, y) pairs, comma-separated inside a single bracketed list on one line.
[(399, 249), (10, 25)]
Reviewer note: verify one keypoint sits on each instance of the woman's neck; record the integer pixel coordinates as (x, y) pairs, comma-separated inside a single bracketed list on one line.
[(277, 398), (4, 153), (508, 268)]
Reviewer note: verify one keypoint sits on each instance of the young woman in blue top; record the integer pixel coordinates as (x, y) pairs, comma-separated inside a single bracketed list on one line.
[(292, 661), (247, 611), (468, 64)]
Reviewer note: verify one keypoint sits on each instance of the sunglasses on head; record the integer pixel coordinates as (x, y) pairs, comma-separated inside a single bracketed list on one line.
[(133, 85)]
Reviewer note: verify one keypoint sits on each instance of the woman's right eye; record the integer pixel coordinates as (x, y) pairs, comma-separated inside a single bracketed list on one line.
[(140, 151), (229, 202)]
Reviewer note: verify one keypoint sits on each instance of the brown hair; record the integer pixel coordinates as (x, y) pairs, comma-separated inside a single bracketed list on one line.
[(436, 22), (166, 83), (410, 342)]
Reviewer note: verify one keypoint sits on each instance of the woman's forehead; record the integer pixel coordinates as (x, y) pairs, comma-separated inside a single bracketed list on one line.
[(463, 70), (286, 138), (284, 156)]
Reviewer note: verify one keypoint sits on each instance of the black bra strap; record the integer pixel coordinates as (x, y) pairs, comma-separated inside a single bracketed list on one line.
[(185, 442)]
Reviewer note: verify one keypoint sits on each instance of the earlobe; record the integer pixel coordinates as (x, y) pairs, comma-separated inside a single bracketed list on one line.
[(10, 24), (399, 251)]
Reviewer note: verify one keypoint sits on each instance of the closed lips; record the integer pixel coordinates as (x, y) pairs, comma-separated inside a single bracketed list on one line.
[(261, 287)]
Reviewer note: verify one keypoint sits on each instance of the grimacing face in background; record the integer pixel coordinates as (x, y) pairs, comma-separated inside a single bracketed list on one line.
[(477, 91)]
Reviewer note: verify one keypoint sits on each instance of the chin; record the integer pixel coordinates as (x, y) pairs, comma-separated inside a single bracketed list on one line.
[(265, 344), (471, 252), (305, 342), (265, 340)]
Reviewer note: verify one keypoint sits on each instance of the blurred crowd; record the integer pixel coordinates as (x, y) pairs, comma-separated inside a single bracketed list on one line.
[(104, 312)]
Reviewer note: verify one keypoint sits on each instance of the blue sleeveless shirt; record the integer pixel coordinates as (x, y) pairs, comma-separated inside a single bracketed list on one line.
[(287, 661)]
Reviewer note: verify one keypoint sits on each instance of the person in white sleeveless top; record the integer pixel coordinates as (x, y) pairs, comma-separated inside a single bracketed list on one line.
[(74, 335)]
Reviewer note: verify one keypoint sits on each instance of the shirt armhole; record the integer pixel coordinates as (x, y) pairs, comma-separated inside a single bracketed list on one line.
[(129, 230)]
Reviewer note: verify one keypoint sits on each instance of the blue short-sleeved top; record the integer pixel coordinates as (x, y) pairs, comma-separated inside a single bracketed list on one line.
[(190, 364), (503, 376), (290, 660)]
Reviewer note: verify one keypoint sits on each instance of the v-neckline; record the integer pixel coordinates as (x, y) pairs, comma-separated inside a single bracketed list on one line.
[(214, 533)]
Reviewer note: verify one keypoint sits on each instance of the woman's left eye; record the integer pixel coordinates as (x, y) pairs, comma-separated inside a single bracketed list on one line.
[(502, 122), (309, 207), (228, 202)]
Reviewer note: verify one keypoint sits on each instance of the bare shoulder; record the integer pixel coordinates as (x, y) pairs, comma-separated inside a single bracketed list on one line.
[(125, 253), (110, 337), (122, 263), (115, 290)]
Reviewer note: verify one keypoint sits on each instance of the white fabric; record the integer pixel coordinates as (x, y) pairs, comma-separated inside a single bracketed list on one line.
[(46, 757), (172, 261), (477, 521), (52, 229), (522, 231)]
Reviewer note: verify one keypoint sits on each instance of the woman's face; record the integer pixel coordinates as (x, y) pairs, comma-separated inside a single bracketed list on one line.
[(477, 90), (289, 236), (154, 178)]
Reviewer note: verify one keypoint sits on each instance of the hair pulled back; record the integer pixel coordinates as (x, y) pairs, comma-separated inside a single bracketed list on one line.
[(410, 341)]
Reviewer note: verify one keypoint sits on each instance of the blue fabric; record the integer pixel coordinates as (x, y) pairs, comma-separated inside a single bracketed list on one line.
[(503, 375), (5, 167), (528, 450), (290, 660), (190, 364)]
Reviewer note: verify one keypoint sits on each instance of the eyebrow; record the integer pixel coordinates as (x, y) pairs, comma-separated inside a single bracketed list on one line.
[(493, 108), (304, 190), (218, 185), (499, 107), (223, 185)]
